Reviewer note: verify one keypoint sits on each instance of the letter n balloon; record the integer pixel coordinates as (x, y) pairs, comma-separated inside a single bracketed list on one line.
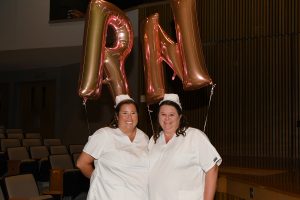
[(185, 57)]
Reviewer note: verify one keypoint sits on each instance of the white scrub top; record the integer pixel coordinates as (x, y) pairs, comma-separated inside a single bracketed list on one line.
[(121, 166), (177, 168)]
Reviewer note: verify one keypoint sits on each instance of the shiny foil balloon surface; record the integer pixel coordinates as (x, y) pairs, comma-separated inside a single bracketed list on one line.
[(157, 46), (101, 64), (185, 57)]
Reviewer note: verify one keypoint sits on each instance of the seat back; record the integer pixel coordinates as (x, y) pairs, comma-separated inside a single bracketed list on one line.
[(21, 186), (6, 143), (41, 154), (75, 148), (14, 130), (52, 142), (15, 135), (38, 152), (28, 142), (61, 161), (19, 162), (33, 135), (2, 135), (17, 153), (59, 149)]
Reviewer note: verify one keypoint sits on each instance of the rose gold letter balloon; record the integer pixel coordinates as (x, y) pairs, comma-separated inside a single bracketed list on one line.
[(185, 57), (157, 47), (97, 58)]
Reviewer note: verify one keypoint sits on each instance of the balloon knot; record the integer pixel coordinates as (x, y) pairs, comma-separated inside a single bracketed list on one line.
[(84, 101)]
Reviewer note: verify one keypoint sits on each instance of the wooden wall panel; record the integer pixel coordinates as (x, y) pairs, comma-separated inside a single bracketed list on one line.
[(296, 97)]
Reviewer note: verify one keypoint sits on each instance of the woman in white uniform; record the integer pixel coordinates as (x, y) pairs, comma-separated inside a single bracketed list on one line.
[(115, 158), (183, 162)]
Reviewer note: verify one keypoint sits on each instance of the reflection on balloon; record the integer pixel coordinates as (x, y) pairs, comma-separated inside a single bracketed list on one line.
[(158, 46), (185, 57), (99, 61)]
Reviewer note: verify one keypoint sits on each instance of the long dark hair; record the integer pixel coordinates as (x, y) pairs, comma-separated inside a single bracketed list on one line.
[(114, 122), (183, 124)]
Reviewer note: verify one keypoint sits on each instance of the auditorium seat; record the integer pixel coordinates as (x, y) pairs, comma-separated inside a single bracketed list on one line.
[(6, 143), (58, 149), (69, 179), (14, 130), (38, 152), (17, 153), (2, 135), (23, 187), (52, 141), (15, 135), (28, 142), (33, 135), (75, 151), (63, 161), (19, 162), (41, 153), (75, 148)]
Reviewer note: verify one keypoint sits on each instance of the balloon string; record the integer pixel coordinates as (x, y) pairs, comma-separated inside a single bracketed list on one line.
[(149, 112), (86, 116), (211, 93)]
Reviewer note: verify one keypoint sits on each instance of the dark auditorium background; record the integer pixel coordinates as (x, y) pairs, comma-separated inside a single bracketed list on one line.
[(252, 53)]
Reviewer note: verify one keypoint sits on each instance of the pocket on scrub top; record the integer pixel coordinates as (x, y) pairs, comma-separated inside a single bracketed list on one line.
[(189, 195)]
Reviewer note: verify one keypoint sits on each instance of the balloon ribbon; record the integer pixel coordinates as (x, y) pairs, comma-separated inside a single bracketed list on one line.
[(211, 93), (86, 116)]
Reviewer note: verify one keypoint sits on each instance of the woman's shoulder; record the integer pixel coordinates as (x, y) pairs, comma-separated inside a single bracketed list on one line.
[(196, 133), (102, 132), (142, 133)]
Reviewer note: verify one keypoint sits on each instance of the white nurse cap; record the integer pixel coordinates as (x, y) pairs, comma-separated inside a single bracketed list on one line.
[(122, 97), (171, 97)]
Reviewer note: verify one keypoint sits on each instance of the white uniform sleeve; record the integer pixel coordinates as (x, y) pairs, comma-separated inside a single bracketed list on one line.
[(96, 143), (208, 155)]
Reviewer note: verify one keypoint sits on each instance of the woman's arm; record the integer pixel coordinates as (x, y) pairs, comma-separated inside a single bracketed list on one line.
[(85, 163), (211, 183)]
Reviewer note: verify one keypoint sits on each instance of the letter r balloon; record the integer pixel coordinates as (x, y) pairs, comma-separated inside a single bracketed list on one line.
[(99, 60), (185, 57)]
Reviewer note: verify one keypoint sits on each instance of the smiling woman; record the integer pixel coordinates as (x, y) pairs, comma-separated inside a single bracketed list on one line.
[(183, 162), (122, 152)]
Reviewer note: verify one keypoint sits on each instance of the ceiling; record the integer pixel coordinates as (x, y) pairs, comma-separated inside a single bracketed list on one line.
[(52, 57)]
